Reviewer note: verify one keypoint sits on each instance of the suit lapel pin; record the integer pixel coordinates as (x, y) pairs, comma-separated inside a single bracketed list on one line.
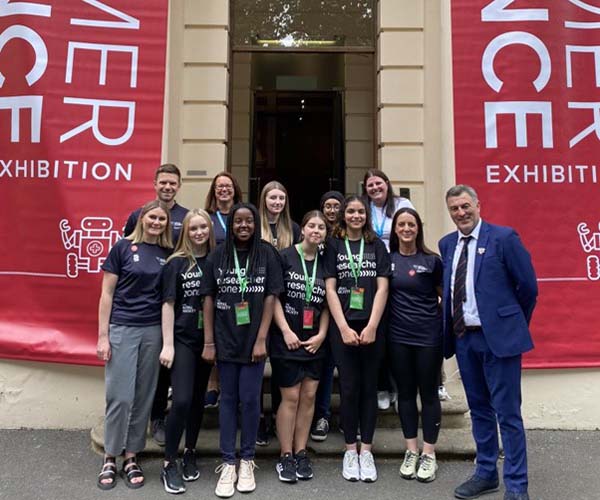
[(481, 250)]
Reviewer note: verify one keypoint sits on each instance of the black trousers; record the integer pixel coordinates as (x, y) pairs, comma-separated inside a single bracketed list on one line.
[(189, 378), (417, 368), (358, 368)]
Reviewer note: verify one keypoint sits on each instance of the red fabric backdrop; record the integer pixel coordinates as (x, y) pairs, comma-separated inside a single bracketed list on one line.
[(75, 159), (527, 126)]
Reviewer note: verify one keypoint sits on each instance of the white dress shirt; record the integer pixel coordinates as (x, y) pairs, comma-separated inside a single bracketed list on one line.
[(470, 311)]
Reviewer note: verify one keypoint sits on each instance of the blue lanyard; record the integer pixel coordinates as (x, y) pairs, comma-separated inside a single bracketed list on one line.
[(378, 226), (222, 222)]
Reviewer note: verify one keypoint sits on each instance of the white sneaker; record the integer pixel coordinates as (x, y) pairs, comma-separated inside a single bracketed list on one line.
[(246, 482), (225, 486), (427, 468), (368, 471), (351, 468), (383, 400), (408, 469), (443, 393)]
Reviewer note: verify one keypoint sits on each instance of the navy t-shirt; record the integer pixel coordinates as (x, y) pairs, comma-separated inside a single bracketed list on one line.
[(137, 297), (181, 285), (415, 314), (220, 228), (235, 343), (177, 215), (376, 263), (293, 301)]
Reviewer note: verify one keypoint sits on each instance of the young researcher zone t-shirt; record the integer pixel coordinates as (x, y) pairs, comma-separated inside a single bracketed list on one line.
[(137, 296), (181, 285), (234, 343), (375, 264), (414, 311), (293, 301)]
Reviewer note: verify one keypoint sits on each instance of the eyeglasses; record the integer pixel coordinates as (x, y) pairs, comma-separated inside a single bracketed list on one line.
[(224, 187)]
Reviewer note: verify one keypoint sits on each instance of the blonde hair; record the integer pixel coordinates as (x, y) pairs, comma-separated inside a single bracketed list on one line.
[(184, 245), (283, 226), (164, 240)]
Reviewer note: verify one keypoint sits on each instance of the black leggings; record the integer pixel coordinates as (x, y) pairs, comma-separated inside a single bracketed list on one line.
[(358, 368), (189, 378), (415, 367)]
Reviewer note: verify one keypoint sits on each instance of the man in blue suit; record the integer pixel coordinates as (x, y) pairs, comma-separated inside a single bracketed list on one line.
[(490, 291)]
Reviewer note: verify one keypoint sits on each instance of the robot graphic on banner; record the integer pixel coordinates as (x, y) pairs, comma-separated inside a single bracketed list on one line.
[(590, 242), (92, 243)]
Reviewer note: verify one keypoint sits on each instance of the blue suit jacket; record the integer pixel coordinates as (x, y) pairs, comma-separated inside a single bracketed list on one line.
[(505, 290)]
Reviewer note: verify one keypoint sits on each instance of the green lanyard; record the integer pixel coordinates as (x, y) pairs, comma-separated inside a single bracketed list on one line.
[(310, 282), (355, 268), (243, 281)]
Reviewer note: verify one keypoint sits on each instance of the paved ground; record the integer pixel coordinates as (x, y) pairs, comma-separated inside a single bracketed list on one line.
[(57, 465)]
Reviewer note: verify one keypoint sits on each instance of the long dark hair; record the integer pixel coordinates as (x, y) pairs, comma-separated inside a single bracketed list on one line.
[(395, 241), (390, 201), (210, 204), (227, 260), (341, 230)]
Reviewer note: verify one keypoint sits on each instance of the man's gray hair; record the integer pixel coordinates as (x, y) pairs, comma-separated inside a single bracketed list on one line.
[(461, 189)]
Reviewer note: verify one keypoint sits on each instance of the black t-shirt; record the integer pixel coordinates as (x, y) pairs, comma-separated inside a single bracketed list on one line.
[(235, 343), (220, 229), (137, 297), (293, 301), (181, 285), (296, 233), (376, 263), (177, 215), (415, 314)]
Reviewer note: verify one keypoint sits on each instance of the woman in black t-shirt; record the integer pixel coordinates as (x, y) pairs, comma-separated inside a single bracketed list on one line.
[(357, 272), (129, 339), (296, 348), (243, 277), (277, 226), (183, 334), (414, 340)]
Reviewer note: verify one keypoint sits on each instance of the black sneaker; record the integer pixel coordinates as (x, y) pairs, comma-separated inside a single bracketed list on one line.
[(158, 429), (190, 469), (303, 466), (320, 430), (262, 437), (286, 468), (211, 399), (171, 479)]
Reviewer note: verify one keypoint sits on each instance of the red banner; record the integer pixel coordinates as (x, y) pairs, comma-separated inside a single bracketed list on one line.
[(81, 106), (527, 126)]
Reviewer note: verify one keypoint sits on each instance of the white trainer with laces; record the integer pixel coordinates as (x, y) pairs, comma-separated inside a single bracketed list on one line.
[(350, 467), (408, 469), (368, 471), (427, 468), (226, 484), (383, 400), (246, 482)]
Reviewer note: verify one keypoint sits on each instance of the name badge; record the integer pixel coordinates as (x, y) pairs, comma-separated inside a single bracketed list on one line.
[(357, 298), (242, 313), (308, 318), (200, 320)]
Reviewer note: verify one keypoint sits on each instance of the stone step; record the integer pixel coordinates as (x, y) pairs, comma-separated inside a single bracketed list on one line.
[(387, 442)]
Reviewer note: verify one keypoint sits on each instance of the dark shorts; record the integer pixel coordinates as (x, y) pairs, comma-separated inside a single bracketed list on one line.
[(289, 373)]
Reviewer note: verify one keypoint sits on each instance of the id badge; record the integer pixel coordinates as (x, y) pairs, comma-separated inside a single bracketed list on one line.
[(308, 318), (357, 298), (200, 320), (242, 313)]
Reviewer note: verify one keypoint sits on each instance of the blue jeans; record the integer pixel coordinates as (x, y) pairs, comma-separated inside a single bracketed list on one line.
[(240, 385)]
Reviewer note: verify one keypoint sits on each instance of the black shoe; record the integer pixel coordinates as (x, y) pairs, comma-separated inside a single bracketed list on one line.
[(320, 430), (303, 466), (262, 437), (513, 495), (475, 486), (286, 468), (171, 479), (211, 399), (190, 469), (158, 429)]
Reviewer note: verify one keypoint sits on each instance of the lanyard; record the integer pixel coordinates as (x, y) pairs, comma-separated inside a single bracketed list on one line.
[(355, 268), (198, 267), (310, 282), (222, 221), (243, 281), (376, 225)]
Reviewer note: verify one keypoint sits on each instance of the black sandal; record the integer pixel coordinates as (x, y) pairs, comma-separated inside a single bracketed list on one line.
[(109, 471), (132, 470)]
